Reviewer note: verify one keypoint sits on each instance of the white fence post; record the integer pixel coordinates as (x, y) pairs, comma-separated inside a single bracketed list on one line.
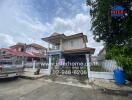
[(49, 66), (34, 62), (22, 63), (88, 65)]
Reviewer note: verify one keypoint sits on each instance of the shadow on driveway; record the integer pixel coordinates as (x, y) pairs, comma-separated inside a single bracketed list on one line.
[(5, 80)]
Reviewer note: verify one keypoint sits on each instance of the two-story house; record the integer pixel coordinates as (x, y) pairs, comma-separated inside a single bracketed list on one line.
[(36, 50), (71, 48), (23, 52)]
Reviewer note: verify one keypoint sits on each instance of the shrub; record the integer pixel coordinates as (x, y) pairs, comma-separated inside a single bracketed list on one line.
[(122, 55)]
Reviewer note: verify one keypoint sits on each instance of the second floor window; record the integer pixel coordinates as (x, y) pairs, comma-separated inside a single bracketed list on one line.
[(72, 43)]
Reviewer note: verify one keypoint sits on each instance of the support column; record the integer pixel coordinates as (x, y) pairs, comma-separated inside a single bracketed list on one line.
[(34, 64), (88, 64), (22, 63), (49, 66), (48, 46), (61, 44)]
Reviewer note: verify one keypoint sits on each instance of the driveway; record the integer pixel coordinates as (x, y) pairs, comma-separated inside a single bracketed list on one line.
[(22, 89)]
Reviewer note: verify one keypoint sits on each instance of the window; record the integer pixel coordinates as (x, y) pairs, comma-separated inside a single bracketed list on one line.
[(3, 52), (72, 43)]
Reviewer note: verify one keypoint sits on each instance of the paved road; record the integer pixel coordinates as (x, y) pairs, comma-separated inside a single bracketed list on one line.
[(22, 89)]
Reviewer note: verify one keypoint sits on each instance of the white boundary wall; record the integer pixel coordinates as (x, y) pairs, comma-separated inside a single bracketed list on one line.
[(42, 71), (109, 65), (102, 75), (33, 68)]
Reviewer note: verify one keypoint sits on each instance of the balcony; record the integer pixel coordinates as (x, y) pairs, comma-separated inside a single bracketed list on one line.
[(54, 48)]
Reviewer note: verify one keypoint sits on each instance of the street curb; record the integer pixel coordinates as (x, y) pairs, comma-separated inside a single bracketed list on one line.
[(112, 91), (116, 92)]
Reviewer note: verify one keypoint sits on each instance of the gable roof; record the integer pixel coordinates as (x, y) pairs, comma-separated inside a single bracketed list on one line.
[(37, 46), (18, 45), (101, 51), (55, 39), (54, 34)]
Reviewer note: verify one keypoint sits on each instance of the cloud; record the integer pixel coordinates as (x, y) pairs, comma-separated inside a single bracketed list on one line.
[(16, 25), (6, 40), (79, 23)]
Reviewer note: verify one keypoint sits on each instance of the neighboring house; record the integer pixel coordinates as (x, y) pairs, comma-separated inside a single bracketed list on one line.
[(19, 47), (13, 56), (23, 52), (94, 60), (108, 65), (71, 48), (32, 49), (101, 55)]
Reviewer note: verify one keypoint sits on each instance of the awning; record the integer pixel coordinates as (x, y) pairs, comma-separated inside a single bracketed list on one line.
[(80, 51)]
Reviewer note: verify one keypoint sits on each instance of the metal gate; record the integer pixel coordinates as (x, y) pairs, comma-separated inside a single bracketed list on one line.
[(74, 65)]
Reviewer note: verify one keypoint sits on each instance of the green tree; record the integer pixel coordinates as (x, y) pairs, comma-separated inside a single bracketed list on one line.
[(115, 32), (105, 28)]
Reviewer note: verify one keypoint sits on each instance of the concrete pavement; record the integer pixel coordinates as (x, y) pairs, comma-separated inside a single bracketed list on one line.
[(22, 89)]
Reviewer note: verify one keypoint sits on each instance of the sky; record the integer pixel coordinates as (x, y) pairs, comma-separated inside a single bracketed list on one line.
[(28, 21)]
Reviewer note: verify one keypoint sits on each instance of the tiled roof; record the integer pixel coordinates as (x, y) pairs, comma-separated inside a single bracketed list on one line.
[(54, 34), (17, 53), (37, 46), (18, 45)]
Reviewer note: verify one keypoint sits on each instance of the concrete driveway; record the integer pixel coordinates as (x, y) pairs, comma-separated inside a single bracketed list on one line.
[(22, 89)]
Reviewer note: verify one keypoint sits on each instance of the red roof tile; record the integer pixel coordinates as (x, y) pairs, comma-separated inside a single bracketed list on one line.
[(17, 53)]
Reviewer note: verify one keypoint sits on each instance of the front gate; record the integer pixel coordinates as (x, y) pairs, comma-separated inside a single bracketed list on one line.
[(73, 70), (74, 65)]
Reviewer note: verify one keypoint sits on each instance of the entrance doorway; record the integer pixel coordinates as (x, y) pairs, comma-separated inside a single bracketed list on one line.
[(54, 61)]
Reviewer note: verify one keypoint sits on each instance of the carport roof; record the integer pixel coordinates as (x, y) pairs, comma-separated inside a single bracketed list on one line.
[(54, 39), (82, 50)]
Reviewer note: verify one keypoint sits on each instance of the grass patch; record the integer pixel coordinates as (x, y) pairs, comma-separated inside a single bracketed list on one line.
[(97, 68)]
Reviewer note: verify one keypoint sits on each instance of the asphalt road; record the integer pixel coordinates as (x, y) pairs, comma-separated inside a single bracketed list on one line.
[(21, 89)]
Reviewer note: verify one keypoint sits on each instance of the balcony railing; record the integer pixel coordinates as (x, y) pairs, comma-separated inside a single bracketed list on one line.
[(55, 48)]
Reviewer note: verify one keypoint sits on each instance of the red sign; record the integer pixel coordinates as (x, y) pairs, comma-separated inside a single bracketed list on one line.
[(117, 12)]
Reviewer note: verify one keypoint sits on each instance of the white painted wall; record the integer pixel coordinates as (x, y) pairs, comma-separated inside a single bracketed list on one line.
[(102, 75), (42, 71), (31, 49), (76, 43)]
